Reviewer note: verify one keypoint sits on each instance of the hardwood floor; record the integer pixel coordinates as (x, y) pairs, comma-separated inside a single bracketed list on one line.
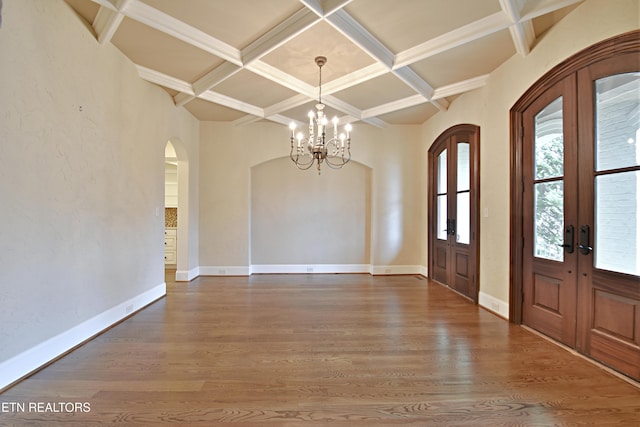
[(325, 350)]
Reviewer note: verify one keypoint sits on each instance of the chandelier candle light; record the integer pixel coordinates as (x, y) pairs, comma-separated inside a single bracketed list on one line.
[(336, 151)]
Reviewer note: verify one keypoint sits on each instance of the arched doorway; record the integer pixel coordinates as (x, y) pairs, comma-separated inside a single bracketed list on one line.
[(177, 210), (575, 204), (170, 208), (454, 184)]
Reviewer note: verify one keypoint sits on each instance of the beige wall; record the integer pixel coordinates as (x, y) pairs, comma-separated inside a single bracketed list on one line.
[(300, 217), (397, 215), (81, 182), (590, 22)]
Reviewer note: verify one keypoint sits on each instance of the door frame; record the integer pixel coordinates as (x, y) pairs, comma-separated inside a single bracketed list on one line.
[(474, 214), (617, 45)]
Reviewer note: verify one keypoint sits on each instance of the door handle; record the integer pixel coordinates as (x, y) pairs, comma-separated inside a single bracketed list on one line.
[(583, 245), (568, 239), (452, 227)]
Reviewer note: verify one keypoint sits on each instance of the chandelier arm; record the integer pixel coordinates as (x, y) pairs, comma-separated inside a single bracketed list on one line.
[(305, 166), (339, 165), (338, 160), (296, 158), (302, 165)]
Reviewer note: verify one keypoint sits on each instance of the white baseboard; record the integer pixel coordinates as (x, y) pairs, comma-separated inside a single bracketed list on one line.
[(225, 270), (379, 270), (424, 271), (187, 275), (309, 268), (30, 360), (493, 304)]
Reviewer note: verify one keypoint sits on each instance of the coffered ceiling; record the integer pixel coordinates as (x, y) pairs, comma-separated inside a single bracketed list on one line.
[(388, 61)]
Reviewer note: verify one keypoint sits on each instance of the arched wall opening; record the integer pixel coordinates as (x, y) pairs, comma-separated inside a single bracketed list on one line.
[(301, 222), (177, 200)]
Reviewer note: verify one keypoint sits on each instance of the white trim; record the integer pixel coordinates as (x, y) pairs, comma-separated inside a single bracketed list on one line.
[(30, 360), (187, 275), (221, 270), (424, 271), (309, 268), (381, 270), (279, 35), (495, 305)]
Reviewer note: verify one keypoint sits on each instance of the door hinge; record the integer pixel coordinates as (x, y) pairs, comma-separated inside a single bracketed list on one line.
[(522, 242), (521, 131), (523, 185)]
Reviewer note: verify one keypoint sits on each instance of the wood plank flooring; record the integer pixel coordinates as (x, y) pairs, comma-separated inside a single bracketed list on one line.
[(322, 350)]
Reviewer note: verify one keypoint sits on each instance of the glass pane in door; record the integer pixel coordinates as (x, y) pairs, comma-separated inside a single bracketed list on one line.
[(617, 121), (442, 172), (548, 183), (618, 222), (617, 210), (463, 218), (463, 166), (442, 217), (442, 196), (549, 220), (549, 142)]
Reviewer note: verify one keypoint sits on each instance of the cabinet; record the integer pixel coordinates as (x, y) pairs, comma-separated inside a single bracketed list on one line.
[(170, 246)]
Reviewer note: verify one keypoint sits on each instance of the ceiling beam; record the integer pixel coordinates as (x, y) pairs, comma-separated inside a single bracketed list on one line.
[(106, 4), (375, 121), (521, 31), (359, 76), (280, 34), (470, 32), (417, 83), (161, 79), (461, 87), (523, 37), (536, 8), (324, 8), (286, 105), (392, 106), (215, 76), (167, 24), (182, 99), (359, 35), (342, 106), (286, 80), (246, 120), (108, 20), (235, 104), (279, 119)]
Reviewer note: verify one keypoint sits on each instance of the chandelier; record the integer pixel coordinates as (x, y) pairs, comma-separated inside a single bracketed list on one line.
[(315, 147)]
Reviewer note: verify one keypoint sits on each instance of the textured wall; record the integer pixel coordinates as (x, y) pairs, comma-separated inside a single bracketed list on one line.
[(82, 178), (300, 217)]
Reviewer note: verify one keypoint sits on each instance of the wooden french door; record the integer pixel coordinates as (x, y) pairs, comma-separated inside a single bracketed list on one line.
[(453, 209), (609, 212), (581, 211), (550, 212)]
